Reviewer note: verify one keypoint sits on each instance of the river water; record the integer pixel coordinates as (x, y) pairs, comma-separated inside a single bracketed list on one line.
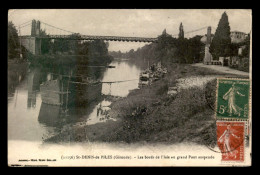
[(30, 119)]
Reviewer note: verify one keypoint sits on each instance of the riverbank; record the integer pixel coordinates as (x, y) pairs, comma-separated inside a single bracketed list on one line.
[(150, 115), (16, 64), (16, 73)]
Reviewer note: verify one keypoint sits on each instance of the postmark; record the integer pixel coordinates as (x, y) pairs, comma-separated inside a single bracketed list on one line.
[(230, 140), (232, 98), (211, 137)]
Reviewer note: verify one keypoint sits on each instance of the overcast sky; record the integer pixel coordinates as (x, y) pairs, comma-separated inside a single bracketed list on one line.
[(136, 23)]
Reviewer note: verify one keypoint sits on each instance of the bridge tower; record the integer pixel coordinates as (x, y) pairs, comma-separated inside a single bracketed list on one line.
[(38, 41), (208, 56), (33, 28), (33, 43)]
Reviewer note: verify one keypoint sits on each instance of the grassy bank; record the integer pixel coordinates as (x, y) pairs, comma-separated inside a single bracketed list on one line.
[(149, 115)]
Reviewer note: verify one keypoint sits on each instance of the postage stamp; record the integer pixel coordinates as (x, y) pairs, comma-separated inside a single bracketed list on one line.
[(232, 99), (129, 87), (230, 140)]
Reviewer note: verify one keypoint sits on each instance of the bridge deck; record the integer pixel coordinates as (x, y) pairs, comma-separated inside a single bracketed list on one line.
[(89, 37)]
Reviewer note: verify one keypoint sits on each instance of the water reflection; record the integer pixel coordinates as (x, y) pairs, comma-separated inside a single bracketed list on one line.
[(125, 74), (49, 115), (15, 77), (33, 84), (67, 95), (100, 113), (44, 100)]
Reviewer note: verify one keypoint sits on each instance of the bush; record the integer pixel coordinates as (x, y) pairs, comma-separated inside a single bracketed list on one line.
[(158, 122), (162, 90)]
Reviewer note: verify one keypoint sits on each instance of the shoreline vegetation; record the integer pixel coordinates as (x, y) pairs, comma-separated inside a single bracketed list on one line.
[(147, 114), (150, 115), (15, 68)]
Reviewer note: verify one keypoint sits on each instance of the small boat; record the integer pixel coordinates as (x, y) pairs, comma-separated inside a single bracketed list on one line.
[(144, 75), (172, 91), (111, 66), (143, 83)]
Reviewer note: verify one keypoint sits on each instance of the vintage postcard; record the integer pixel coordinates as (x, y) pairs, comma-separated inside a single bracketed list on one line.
[(129, 87)]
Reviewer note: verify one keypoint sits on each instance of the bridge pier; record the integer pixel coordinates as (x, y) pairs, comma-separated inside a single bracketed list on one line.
[(208, 56), (33, 43)]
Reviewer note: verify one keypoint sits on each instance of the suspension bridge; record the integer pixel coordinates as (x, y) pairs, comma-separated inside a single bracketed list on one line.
[(30, 34)]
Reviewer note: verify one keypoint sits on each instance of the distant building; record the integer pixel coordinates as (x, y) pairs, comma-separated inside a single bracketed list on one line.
[(237, 37)]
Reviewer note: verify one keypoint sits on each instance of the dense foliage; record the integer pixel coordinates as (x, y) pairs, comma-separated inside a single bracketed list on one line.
[(95, 51), (181, 31), (246, 50), (13, 41), (168, 49), (45, 43), (221, 43)]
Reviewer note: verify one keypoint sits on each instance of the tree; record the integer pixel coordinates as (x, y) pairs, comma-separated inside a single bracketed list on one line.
[(221, 42), (13, 41), (74, 44), (181, 31), (194, 49), (45, 43), (164, 47), (60, 45), (246, 50), (63, 45), (131, 53), (182, 48)]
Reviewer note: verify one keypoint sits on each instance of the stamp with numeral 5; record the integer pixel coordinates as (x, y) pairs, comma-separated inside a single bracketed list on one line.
[(233, 98)]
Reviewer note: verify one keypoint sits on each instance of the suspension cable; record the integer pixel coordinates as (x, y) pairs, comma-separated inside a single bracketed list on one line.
[(59, 30), (192, 31), (57, 27), (25, 23)]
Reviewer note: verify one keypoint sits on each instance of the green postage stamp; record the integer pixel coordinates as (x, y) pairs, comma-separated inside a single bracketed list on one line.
[(233, 98)]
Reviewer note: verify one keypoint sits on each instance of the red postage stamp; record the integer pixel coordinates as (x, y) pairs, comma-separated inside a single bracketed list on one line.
[(230, 141)]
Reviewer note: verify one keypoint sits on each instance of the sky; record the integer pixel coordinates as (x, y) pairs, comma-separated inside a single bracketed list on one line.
[(132, 22)]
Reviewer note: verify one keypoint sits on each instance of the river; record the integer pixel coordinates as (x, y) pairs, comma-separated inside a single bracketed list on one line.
[(30, 119)]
